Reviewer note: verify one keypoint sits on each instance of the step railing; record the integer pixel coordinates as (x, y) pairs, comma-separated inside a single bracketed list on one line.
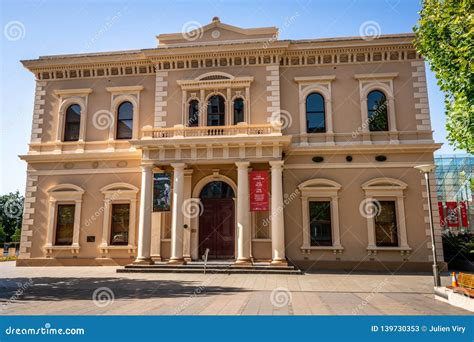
[(204, 257)]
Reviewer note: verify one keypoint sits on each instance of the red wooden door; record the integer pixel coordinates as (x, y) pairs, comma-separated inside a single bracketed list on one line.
[(216, 228)]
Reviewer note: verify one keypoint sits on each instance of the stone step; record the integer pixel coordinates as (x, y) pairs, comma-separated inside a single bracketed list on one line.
[(213, 266), (209, 270)]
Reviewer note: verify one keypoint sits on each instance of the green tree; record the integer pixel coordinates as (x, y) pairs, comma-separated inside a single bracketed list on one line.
[(16, 236), (2, 236), (11, 213), (445, 37)]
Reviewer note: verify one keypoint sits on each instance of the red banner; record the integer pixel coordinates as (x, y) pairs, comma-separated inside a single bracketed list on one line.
[(441, 214), (464, 221), (259, 191), (452, 214)]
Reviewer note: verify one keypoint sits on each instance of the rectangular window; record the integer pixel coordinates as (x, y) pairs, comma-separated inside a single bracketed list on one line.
[(120, 224), (65, 224), (386, 225), (320, 223)]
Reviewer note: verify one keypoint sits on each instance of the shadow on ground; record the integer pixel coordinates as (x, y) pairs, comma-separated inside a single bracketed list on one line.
[(57, 289)]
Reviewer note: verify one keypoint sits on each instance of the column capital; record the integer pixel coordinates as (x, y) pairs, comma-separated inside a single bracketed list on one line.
[(146, 167), (178, 165), (242, 164), (276, 163)]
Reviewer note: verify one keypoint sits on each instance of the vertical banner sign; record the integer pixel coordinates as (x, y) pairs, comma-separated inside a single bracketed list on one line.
[(464, 221), (259, 191), (452, 214), (441, 215), (161, 191)]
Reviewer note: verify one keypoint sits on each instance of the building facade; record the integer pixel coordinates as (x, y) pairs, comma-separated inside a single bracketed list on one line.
[(231, 140)]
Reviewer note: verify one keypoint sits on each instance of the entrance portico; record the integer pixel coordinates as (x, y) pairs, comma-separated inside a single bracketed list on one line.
[(222, 224)]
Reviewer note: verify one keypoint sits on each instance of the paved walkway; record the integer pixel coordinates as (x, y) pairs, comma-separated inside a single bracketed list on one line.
[(100, 290)]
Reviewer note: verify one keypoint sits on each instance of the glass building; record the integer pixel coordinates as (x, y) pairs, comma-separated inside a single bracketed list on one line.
[(454, 187)]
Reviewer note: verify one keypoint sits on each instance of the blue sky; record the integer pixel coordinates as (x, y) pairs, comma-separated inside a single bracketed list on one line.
[(58, 27)]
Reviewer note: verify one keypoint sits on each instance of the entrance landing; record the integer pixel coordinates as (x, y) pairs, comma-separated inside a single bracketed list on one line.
[(212, 267)]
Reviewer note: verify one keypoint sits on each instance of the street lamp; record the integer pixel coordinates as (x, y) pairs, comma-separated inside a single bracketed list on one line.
[(425, 170)]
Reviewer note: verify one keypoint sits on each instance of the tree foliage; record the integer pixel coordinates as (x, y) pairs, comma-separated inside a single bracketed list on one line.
[(445, 37), (11, 213)]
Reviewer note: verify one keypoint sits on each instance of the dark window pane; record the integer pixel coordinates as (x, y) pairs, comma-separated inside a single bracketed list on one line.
[(386, 225), (217, 190), (72, 123), (238, 111), (377, 111), (193, 118), (125, 121), (64, 224), (216, 111), (120, 224), (320, 223), (315, 114)]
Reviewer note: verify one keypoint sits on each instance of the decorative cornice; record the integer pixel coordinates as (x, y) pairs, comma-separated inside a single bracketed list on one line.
[(124, 89), (72, 92), (315, 79), (376, 76)]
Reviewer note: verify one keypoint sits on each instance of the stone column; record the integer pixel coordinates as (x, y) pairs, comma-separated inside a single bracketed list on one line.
[(244, 233), (144, 224), (177, 217), (278, 220)]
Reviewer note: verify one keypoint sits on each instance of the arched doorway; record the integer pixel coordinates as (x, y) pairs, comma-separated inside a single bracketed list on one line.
[(217, 220)]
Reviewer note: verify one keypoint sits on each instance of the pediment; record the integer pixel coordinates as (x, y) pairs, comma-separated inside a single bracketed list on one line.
[(215, 32)]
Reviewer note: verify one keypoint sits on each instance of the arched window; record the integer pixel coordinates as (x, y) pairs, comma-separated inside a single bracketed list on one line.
[(238, 110), (193, 113), (216, 111), (125, 120), (315, 114), (72, 124), (377, 111), (217, 189)]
